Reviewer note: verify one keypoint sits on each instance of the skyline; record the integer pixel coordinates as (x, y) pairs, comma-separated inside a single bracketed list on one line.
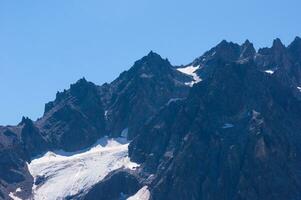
[(45, 47)]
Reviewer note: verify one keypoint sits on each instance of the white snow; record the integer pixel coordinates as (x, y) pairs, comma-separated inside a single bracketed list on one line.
[(68, 173), (190, 70), (227, 125), (142, 194), (269, 71), (299, 88), (12, 194), (106, 114)]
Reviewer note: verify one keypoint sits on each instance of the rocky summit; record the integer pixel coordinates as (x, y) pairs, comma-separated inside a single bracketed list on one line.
[(227, 126)]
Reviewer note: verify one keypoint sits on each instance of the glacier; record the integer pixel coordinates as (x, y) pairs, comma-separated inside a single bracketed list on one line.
[(61, 174)]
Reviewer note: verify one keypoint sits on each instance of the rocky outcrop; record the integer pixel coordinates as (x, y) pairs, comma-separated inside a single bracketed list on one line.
[(117, 185), (75, 119), (14, 154), (139, 93)]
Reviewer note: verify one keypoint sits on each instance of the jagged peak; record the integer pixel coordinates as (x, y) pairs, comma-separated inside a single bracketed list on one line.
[(227, 51), (223, 42), (83, 79), (78, 89), (295, 49), (248, 44), (151, 61), (247, 49), (80, 83), (226, 44), (277, 44), (221, 47), (26, 121), (296, 42), (153, 56), (297, 39), (81, 88)]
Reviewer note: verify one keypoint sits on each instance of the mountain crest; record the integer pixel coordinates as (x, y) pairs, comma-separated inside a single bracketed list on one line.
[(247, 50), (25, 121), (295, 45), (278, 45)]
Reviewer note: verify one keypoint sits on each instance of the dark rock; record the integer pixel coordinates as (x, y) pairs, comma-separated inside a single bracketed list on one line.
[(196, 158), (139, 93), (75, 119), (235, 135), (31, 139), (116, 185)]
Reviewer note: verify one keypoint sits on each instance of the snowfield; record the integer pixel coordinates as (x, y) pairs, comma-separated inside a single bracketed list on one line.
[(142, 194), (190, 70), (60, 174)]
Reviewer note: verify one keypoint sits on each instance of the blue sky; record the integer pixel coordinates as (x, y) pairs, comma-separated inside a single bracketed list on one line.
[(46, 45)]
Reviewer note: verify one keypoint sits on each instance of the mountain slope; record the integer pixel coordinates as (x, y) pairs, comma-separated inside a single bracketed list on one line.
[(225, 126), (139, 93), (81, 115), (237, 136)]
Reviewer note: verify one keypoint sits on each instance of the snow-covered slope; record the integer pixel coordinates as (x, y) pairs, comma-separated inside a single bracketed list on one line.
[(13, 194), (190, 70), (142, 194), (61, 174)]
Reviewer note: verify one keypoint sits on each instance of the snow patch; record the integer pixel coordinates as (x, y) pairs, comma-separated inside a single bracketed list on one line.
[(190, 70), (269, 71), (227, 125), (299, 88), (106, 114), (60, 174), (12, 194), (142, 194)]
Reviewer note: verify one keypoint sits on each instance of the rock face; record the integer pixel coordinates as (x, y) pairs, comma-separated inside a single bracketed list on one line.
[(14, 152), (139, 93), (75, 119), (117, 185), (234, 135)]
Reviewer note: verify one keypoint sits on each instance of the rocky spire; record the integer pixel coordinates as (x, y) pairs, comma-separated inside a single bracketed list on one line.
[(278, 45), (247, 50)]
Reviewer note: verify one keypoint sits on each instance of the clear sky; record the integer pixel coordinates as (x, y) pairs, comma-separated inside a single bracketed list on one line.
[(46, 45)]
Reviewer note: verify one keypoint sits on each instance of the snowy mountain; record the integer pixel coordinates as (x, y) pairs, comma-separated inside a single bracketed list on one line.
[(60, 174), (226, 126)]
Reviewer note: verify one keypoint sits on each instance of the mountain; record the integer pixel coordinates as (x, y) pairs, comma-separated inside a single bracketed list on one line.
[(81, 115), (140, 92), (226, 126), (228, 140)]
